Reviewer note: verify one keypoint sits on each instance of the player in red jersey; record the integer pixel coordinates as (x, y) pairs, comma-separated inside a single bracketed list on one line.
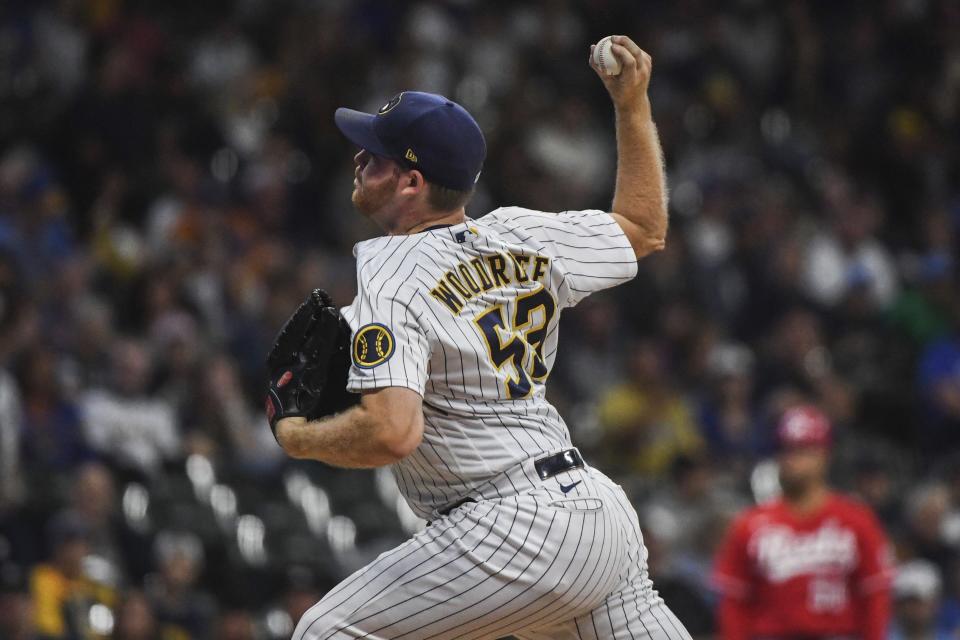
[(811, 564)]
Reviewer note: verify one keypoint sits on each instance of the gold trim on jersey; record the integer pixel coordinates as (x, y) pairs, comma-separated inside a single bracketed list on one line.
[(481, 274)]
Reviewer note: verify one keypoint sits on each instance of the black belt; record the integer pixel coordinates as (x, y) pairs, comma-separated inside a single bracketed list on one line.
[(546, 468), (558, 463)]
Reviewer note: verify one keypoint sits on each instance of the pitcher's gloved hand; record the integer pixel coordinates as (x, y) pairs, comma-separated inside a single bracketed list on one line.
[(309, 362)]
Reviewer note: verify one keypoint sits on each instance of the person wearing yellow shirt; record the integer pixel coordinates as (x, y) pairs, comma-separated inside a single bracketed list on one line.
[(645, 422), (65, 600)]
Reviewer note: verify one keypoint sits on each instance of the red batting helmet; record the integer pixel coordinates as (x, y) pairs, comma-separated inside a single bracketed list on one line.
[(803, 426)]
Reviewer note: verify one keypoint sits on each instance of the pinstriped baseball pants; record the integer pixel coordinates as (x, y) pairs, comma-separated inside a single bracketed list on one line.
[(538, 564)]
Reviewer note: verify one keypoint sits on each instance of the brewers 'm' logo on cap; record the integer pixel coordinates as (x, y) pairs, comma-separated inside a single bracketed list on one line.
[(394, 101), (373, 345)]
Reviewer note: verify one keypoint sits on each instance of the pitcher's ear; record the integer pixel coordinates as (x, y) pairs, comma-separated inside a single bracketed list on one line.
[(413, 182)]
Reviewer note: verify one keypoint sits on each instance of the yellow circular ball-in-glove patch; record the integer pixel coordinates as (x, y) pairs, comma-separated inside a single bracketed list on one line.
[(373, 344)]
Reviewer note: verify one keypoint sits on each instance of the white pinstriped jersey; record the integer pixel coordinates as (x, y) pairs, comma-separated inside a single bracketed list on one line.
[(467, 316)]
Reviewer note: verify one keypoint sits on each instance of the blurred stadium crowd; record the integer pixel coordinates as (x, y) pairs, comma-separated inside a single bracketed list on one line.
[(172, 185)]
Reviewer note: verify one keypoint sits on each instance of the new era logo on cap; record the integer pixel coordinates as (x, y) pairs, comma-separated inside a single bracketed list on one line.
[(450, 148)]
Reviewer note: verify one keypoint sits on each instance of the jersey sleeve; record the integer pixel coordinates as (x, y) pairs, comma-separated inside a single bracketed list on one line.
[(731, 569), (875, 570), (731, 579), (389, 346), (873, 575), (589, 246)]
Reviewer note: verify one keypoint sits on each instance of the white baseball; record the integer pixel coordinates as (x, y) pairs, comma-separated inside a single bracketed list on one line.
[(604, 59)]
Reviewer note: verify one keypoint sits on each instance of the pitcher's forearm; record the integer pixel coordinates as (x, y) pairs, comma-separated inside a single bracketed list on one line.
[(384, 428), (641, 191), (344, 440)]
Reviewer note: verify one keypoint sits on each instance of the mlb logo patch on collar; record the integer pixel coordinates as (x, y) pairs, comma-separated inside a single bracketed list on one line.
[(467, 235)]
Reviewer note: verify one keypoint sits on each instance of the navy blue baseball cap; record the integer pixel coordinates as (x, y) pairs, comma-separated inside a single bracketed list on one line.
[(422, 131)]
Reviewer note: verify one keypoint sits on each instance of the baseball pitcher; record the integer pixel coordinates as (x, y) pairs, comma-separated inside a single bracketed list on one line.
[(446, 351)]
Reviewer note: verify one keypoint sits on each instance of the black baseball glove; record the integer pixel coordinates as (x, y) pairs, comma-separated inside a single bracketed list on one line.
[(309, 363)]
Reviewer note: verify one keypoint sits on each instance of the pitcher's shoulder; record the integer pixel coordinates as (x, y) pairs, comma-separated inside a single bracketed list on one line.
[(511, 214), (387, 258)]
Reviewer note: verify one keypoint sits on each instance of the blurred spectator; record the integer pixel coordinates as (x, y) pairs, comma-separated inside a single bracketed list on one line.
[(235, 625), (917, 589), (685, 507), (847, 256), (67, 602), (797, 357), (796, 353), (135, 620), (126, 424), (221, 416), (302, 591), (53, 439), (19, 320), (16, 606), (926, 312), (732, 425), (90, 342), (222, 61), (646, 423), (930, 308), (595, 360), (175, 339), (16, 616), (939, 382), (684, 597), (949, 618), (927, 510), (61, 48), (38, 232), (873, 483), (93, 497), (181, 608), (574, 152), (11, 423), (686, 519)]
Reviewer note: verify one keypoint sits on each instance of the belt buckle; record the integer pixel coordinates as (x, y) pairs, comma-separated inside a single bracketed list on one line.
[(550, 466)]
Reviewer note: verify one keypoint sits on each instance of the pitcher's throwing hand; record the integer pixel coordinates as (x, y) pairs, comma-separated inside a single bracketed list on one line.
[(628, 89)]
